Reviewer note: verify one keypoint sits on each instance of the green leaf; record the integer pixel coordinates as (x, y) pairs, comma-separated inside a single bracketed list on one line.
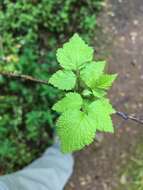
[(91, 73), (76, 130), (86, 93), (101, 110), (64, 80), (74, 53), (70, 102), (105, 81), (104, 123), (108, 108), (99, 93)]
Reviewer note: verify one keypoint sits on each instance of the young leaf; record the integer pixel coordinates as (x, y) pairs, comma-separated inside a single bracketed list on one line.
[(91, 73), (74, 53), (86, 93), (64, 80), (99, 93), (70, 102), (105, 81), (101, 110), (75, 129)]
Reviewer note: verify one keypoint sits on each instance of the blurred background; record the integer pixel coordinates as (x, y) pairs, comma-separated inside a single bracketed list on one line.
[(30, 33)]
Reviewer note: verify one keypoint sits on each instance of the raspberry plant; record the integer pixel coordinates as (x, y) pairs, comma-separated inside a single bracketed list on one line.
[(84, 109)]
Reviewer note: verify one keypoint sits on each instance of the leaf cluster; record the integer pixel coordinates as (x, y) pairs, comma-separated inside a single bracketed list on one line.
[(84, 109)]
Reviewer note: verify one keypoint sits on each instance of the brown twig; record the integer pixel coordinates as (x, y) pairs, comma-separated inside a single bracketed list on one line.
[(23, 77), (132, 117)]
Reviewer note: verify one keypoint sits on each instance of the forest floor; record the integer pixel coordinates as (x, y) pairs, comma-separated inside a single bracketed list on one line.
[(99, 166)]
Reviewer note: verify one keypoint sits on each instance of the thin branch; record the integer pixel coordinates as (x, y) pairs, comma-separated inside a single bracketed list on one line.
[(123, 115), (132, 117), (23, 77)]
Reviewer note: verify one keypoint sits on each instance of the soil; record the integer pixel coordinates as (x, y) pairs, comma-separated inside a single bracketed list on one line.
[(98, 166)]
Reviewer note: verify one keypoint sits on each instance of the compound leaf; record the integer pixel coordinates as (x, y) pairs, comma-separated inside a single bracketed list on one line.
[(76, 130), (91, 73), (81, 115), (64, 80), (70, 102), (74, 53)]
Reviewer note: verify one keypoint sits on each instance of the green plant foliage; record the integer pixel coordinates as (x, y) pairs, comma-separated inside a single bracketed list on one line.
[(71, 101), (105, 81), (75, 129), (42, 24), (92, 72), (64, 80), (26, 120), (99, 93), (68, 56), (101, 110), (82, 111), (30, 33)]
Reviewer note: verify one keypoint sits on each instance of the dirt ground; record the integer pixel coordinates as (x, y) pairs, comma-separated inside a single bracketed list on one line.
[(98, 166)]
